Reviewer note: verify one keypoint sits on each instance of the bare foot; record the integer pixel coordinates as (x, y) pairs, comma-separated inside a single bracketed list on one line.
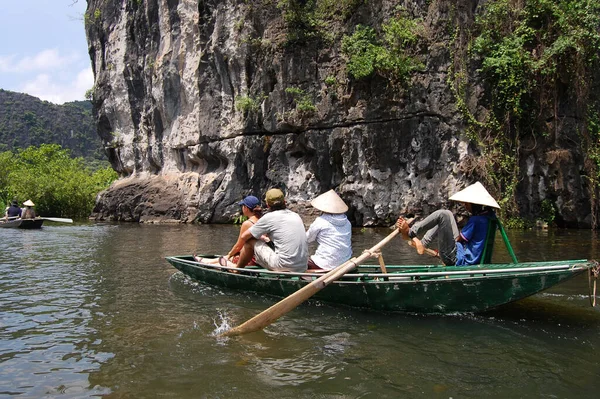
[(403, 226), (419, 246)]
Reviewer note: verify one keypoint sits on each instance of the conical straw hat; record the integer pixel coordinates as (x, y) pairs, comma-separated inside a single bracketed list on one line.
[(329, 202), (28, 203), (475, 194)]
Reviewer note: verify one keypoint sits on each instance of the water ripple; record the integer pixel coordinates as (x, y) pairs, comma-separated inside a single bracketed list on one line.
[(95, 310), (45, 302)]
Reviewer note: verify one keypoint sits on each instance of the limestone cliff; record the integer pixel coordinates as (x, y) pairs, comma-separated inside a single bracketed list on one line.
[(193, 103)]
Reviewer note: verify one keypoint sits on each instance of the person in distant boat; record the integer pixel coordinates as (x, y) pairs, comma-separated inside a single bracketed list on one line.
[(455, 248), (13, 211), (251, 209), (28, 212), (287, 249), (332, 231)]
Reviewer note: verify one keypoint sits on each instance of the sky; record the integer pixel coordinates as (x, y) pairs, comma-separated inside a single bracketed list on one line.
[(43, 49)]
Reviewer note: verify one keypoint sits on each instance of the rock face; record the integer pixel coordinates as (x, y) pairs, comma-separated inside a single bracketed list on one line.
[(171, 77)]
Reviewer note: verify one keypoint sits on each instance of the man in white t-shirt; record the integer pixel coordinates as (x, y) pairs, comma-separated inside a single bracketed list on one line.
[(287, 249)]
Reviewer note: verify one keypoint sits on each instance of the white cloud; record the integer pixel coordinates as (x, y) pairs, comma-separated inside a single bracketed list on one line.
[(6, 63), (50, 88), (45, 60), (85, 79)]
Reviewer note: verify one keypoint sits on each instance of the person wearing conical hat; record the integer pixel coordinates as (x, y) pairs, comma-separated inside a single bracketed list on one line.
[(332, 231), (287, 249), (28, 212), (454, 247)]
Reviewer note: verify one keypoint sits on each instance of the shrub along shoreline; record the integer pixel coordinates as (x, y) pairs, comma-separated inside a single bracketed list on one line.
[(57, 183)]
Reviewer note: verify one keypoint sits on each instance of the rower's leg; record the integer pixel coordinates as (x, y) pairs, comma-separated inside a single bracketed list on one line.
[(441, 225)]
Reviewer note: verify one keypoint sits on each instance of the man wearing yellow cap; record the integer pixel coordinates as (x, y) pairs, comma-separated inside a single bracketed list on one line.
[(455, 248), (287, 249)]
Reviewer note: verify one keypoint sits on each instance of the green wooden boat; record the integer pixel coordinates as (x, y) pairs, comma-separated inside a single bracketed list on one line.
[(418, 288), (406, 288)]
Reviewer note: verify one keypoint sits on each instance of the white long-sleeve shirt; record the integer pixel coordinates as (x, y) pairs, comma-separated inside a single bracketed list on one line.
[(333, 233)]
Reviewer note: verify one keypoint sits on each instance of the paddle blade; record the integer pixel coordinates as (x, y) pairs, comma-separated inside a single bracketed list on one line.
[(289, 303), (59, 220)]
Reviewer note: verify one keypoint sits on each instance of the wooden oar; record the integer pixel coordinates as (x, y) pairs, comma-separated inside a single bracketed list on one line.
[(60, 220), (268, 316), (428, 251)]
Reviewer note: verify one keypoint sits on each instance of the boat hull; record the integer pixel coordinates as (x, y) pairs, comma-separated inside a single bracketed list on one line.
[(418, 289), (23, 224)]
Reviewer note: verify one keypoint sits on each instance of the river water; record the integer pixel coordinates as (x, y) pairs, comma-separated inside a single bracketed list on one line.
[(94, 310)]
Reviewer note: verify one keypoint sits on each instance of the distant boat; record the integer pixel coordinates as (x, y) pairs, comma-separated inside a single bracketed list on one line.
[(23, 223)]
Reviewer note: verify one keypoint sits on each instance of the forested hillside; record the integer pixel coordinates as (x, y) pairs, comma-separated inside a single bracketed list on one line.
[(28, 121)]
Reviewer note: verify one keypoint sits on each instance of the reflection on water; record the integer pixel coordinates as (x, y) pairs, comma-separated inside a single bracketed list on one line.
[(46, 305), (89, 310)]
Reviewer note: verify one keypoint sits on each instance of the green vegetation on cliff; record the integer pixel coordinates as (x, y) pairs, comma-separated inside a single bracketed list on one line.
[(58, 184), (308, 20), (391, 56), (533, 55)]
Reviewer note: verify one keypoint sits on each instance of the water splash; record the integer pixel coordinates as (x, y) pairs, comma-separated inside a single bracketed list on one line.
[(221, 325)]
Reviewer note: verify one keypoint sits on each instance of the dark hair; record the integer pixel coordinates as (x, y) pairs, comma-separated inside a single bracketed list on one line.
[(477, 209), (257, 210), (278, 206)]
